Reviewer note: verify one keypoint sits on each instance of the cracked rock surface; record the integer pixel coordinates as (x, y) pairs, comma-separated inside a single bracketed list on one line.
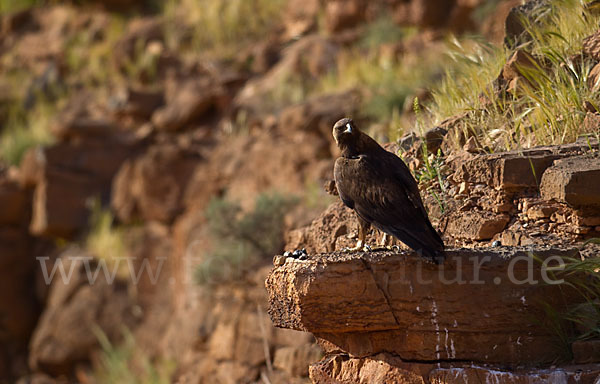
[(480, 305)]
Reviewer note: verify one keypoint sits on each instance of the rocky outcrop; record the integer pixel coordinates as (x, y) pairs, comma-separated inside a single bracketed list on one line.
[(307, 58), (575, 181), (58, 177), (162, 129), (513, 171), (525, 197), (84, 300), (193, 100), (370, 303), (152, 186), (475, 225), (67, 175), (386, 368), (226, 337), (396, 316), (19, 307)]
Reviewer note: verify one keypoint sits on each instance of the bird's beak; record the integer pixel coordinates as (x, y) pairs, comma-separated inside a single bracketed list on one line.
[(348, 128)]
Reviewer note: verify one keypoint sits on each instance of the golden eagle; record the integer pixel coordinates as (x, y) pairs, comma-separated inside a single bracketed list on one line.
[(378, 186)]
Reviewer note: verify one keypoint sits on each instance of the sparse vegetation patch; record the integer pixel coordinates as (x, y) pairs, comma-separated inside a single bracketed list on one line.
[(241, 238)]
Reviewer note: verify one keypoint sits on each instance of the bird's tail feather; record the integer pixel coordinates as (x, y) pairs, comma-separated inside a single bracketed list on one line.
[(427, 244)]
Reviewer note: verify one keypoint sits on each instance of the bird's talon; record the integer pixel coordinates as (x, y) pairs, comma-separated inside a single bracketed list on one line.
[(395, 248)]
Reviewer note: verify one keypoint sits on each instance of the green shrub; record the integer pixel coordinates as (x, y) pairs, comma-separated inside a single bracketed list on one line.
[(221, 25), (105, 241), (90, 60), (579, 320), (242, 238), (7, 6), (384, 30), (125, 365), (25, 129)]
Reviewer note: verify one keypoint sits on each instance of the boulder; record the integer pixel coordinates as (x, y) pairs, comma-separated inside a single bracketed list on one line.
[(593, 81), (294, 360), (151, 186), (192, 101), (340, 14), (518, 68), (328, 232), (591, 46), (460, 19), (513, 171), (481, 305), (493, 26), (137, 102), (19, 308), (81, 304), (574, 180), (474, 224), (519, 18), (427, 13), (14, 201), (54, 219), (381, 368), (306, 59), (66, 177), (301, 17), (140, 32), (318, 114)]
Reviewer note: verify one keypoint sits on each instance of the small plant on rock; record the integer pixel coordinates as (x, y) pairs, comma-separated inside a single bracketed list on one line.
[(24, 129), (578, 320), (124, 364), (106, 242), (242, 238)]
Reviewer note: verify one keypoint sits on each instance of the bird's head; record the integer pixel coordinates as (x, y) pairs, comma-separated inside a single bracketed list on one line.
[(345, 132)]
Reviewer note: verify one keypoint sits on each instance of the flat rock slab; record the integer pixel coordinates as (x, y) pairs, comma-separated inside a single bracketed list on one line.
[(514, 171), (575, 181), (481, 305)]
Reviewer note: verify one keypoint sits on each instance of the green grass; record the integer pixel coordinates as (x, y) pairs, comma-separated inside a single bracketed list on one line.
[(578, 320), (90, 61), (220, 25), (387, 84), (240, 239), (25, 129), (8, 6), (545, 109), (125, 364), (105, 241), (384, 30)]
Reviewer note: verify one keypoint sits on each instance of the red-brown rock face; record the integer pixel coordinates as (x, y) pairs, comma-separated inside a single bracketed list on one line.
[(477, 306), (385, 309)]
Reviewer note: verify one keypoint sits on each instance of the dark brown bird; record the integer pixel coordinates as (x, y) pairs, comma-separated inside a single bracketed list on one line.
[(379, 187)]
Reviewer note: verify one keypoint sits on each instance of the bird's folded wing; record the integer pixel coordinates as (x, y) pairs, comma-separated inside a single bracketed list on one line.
[(389, 199)]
